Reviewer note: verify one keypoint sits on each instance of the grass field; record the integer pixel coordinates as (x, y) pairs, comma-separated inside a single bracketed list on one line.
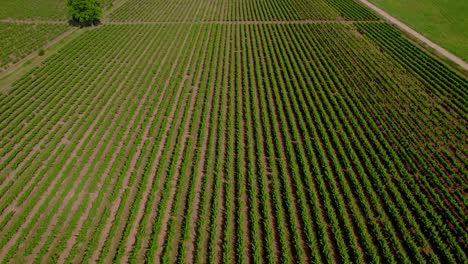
[(202, 135), (444, 22)]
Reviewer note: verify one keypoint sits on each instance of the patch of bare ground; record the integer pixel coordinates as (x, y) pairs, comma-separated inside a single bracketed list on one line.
[(115, 205), (199, 225), (19, 143), (76, 199), (36, 149), (134, 229), (118, 203), (202, 166)]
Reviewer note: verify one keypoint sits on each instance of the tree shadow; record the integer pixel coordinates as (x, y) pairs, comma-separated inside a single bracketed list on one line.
[(75, 23)]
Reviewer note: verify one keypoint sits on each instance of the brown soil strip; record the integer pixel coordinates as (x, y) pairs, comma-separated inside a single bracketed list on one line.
[(190, 243), (417, 35), (116, 204), (33, 22), (222, 110)]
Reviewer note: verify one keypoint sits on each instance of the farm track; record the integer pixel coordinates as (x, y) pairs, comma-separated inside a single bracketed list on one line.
[(265, 132), (190, 22), (242, 22), (34, 22)]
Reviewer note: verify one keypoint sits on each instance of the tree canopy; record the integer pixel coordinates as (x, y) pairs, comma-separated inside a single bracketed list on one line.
[(85, 11)]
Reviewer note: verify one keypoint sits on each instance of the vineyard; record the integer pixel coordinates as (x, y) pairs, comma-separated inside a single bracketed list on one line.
[(37, 9), (240, 10), (263, 132), (19, 40)]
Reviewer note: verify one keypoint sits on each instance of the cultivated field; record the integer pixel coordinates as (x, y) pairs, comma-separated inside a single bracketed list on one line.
[(241, 133), (239, 10), (38, 9), (19, 40)]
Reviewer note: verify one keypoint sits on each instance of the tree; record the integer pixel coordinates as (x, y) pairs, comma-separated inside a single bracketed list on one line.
[(85, 12)]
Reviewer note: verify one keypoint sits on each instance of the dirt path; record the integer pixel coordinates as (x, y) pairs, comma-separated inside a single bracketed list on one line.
[(238, 22), (417, 35), (33, 22)]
